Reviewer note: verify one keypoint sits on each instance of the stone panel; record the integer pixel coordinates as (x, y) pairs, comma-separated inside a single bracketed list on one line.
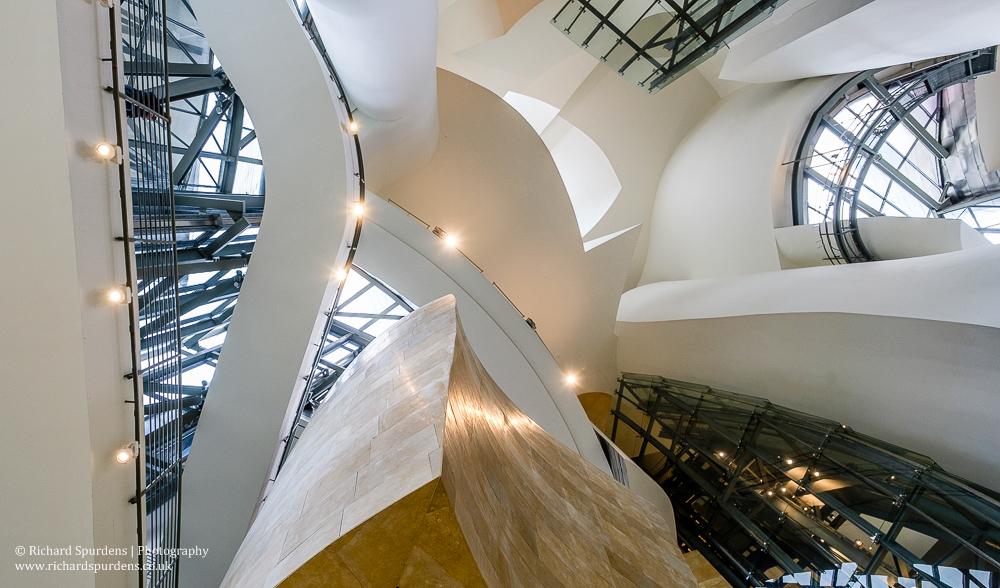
[(419, 471)]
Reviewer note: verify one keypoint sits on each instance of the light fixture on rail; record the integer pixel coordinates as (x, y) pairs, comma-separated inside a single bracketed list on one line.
[(354, 127), (115, 295), (570, 379), (108, 152), (341, 274), (788, 461), (358, 209), (450, 240), (128, 452)]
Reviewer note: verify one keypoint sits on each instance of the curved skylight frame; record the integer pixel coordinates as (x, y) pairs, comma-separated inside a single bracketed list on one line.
[(874, 149)]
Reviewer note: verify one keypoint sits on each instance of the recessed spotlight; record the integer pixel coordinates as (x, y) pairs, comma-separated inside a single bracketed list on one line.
[(783, 490), (451, 241), (570, 379), (770, 493), (816, 474), (788, 461), (722, 454)]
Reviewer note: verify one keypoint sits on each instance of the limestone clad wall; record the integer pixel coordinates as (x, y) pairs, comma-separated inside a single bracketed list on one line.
[(419, 471)]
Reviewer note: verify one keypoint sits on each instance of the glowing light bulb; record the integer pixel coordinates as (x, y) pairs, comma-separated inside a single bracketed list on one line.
[(116, 295), (788, 461), (353, 126), (571, 379), (358, 209), (770, 493), (105, 151), (341, 274), (127, 453), (722, 454), (451, 241), (783, 490), (816, 474)]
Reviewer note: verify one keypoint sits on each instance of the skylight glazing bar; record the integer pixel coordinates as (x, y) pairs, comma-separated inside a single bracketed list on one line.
[(652, 43)]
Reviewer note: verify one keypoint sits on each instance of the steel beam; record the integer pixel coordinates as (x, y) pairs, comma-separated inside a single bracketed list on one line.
[(880, 92)]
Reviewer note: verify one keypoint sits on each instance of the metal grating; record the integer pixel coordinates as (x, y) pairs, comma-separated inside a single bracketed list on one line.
[(140, 82)]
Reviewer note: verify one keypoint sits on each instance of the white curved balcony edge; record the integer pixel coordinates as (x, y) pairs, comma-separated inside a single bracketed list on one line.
[(276, 70), (905, 288), (495, 328)]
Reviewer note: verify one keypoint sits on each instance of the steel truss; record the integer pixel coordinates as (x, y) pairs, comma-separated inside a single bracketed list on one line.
[(764, 491), (653, 42)]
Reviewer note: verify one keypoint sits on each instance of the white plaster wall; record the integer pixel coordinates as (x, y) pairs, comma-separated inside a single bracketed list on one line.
[(636, 132), (725, 187), (422, 268), (384, 52), (841, 36), (988, 118), (957, 287), (94, 187), (288, 285), (493, 184), (928, 386), (885, 237), (46, 484)]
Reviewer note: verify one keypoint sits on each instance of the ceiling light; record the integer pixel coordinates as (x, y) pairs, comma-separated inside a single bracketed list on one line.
[(816, 474), (341, 274), (127, 453), (451, 241), (358, 209), (116, 295), (783, 490), (770, 493), (353, 126), (788, 461), (722, 454), (570, 379), (859, 543)]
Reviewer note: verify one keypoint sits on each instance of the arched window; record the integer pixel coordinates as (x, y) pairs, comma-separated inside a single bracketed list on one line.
[(895, 143)]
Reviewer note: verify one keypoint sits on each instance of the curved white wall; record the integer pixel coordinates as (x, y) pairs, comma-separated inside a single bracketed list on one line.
[(725, 187), (420, 266), (928, 386), (958, 287), (815, 38), (267, 55), (886, 237), (385, 53), (635, 131), (493, 184), (988, 118)]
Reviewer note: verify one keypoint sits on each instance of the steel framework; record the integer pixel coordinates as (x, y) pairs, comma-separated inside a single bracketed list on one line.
[(765, 492), (652, 43), (849, 164)]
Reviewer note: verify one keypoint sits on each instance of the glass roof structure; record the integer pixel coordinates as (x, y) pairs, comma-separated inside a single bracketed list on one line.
[(653, 43), (896, 147), (774, 496)]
